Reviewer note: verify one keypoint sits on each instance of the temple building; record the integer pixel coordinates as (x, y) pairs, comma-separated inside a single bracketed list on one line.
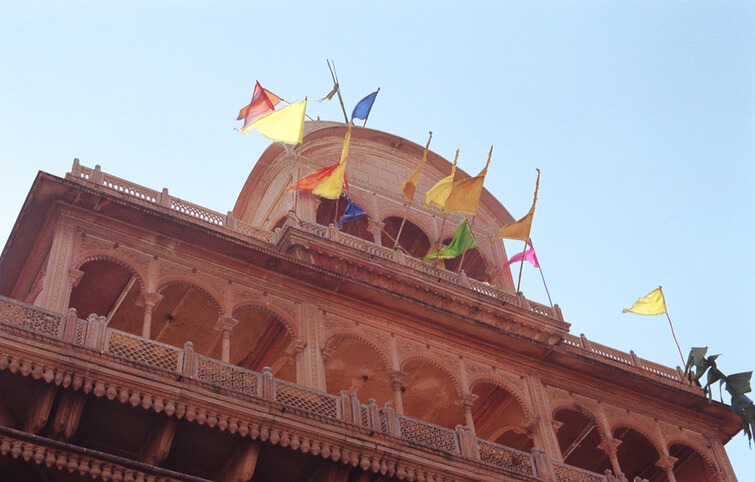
[(145, 338)]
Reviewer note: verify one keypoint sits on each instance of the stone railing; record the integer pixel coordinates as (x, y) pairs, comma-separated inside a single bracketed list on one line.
[(94, 334), (163, 198), (227, 221), (627, 359)]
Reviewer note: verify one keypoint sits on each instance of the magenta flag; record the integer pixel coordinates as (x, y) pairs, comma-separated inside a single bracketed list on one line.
[(528, 256)]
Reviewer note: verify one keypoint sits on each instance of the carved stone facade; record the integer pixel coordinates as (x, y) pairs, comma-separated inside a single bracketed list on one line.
[(219, 345)]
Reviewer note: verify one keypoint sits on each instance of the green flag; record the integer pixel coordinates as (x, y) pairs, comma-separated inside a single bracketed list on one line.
[(463, 240)]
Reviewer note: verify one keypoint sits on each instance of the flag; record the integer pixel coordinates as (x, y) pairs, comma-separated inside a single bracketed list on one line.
[(285, 125), (261, 104), (331, 187), (410, 185), (330, 94), (438, 194), (528, 256), (352, 212), (521, 229), (362, 109), (463, 239), (651, 304), (310, 181), (465, 194)]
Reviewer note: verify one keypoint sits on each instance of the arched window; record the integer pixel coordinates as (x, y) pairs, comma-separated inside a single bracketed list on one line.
[(355, 366), (330, 211), (109, 289), (260, 339), (413, 240), (578, 438), (498, 416)]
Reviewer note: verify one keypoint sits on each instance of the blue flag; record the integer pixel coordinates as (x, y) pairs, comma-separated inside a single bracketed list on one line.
[(352, 212), (362, 110)]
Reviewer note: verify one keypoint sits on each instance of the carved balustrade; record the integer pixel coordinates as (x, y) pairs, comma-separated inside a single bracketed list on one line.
[(94, 334), (227, 221)]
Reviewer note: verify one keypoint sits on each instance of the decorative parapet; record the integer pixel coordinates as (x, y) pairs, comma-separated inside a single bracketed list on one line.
[(308, 402), (228, 222), (619, 358)]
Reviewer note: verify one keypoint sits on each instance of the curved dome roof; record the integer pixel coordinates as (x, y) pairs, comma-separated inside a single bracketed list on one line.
[(378, 163)]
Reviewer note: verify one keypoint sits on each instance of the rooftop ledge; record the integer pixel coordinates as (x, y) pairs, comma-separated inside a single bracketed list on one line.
[(459, 281), (183, 365)]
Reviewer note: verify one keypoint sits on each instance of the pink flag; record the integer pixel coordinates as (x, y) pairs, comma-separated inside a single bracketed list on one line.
[(528, 256)]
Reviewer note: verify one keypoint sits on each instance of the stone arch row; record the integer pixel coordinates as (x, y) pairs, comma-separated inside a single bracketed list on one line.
[(598, 442), (417, 236), (424, 386)]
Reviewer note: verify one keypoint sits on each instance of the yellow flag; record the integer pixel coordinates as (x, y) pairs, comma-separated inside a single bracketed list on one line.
[(521, 229), (651, 304), (331, 186), (284, 125), (438, 194), (410, 185), (465, 194)]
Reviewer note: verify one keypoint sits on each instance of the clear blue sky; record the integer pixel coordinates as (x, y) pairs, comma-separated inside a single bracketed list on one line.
[(641, 116)]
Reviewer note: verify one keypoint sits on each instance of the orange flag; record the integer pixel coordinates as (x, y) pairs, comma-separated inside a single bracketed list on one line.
[(410, 185), (465, 194), (521, 229)]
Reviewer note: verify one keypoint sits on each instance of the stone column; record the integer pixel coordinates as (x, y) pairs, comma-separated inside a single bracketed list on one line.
[(397, 378), (59, 277), (611, 448), (667, 463), (376, 228), (150, 300), (297, 348), (466, 404), (225, 325)]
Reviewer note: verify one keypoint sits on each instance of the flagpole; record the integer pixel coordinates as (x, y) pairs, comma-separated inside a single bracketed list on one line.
[(521, 267), (408, 206), (365, 120), (461, 263), (338, 89), (474, 217), (672, 326), (543, 278)]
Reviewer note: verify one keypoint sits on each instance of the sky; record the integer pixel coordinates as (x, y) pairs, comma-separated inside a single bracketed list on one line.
[(640, 115)]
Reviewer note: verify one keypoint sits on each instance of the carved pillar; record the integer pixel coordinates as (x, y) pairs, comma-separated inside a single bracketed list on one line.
[(159, 443), (466, 404), (397, 378), (241, 466), (611, 448), (225, 324), (298, 346), (667, 463), (40, 410), (311, 360), (545, 435), (150, 300), (58, 279), (68, 414), (376, 228)]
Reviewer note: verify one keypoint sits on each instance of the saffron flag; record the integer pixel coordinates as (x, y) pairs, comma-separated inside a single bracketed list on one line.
[(528, 255), (521, 229), (410, 185), (352, 212), (310, 181), (438, 194), (285, 125), (363, 108), (651, 304), (331, 187), (465, 194), (261, 104), (463, 240)]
